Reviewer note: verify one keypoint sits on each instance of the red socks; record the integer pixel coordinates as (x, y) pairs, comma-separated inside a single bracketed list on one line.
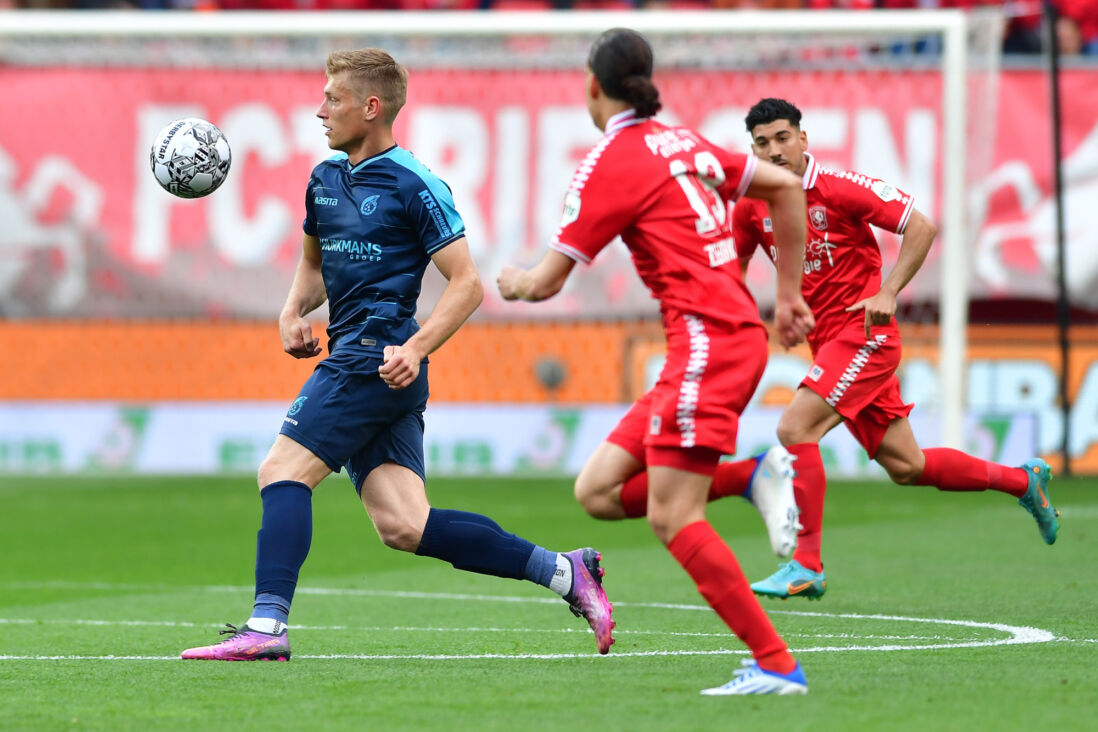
[(731, 479), (953, 470), (714, 569), (809, 488), (634, 495)]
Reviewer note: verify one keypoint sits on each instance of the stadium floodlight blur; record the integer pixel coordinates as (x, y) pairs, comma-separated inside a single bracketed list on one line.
[(799, 41)]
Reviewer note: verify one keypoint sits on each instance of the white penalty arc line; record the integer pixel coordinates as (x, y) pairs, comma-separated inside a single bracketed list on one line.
[(1017, 635)]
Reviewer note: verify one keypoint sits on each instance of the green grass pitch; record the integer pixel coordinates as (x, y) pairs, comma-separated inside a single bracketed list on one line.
[(943, 612)]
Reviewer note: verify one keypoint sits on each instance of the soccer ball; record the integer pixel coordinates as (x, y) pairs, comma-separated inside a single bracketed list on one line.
[(190, 158)]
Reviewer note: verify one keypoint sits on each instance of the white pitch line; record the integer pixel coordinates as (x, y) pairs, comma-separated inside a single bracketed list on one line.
[(1017, 634), (432, 629)]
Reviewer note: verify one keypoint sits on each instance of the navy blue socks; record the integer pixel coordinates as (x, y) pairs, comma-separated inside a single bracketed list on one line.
[(281, 546), (476, 543)]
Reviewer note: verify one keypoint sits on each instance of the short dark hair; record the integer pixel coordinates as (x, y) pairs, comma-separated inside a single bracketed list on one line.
[(621, 60), (373, 71), (770, 110)]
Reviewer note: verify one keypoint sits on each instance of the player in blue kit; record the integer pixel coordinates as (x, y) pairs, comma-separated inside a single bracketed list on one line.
[(375, 217)]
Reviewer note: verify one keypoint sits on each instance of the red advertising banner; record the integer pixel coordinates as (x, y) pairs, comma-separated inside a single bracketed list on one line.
[(88, 233)]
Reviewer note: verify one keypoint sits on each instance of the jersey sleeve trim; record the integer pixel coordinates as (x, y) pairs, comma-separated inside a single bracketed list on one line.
[(446, 242), (751, 164), (437, 188), (570, 251), (906, 215)]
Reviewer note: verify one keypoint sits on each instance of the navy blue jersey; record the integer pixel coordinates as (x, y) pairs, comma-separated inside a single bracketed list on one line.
[(378, 223)]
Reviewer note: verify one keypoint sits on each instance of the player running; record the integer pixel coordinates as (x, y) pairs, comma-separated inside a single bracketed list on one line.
[(855, 346), (664, 191), (374, 219)]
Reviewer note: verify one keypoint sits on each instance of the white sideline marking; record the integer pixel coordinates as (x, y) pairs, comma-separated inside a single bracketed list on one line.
[(1016, 634)]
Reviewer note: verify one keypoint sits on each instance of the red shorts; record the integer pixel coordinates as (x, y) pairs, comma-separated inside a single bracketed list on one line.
[(707, 380), (857, 377)]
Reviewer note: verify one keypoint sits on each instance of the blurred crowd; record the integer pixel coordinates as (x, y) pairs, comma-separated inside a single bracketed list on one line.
[(1076, 30)]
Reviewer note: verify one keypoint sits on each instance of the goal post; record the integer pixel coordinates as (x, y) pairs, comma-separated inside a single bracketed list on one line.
[(741, 43)]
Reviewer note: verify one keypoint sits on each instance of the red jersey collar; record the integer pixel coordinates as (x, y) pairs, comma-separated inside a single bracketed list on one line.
[(621, 120), (811, 172)]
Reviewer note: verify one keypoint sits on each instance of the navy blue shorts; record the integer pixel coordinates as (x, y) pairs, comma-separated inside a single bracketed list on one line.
[(348, 417)]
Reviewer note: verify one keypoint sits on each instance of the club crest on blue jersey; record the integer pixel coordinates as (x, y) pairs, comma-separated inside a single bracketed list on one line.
[(369, 205)]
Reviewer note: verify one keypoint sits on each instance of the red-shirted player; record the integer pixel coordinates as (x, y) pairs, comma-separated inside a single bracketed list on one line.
[(664, 191), (855, 346)]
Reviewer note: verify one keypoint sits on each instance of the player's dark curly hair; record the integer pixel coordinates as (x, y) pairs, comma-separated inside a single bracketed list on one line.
[(770, 110), (621, 60)]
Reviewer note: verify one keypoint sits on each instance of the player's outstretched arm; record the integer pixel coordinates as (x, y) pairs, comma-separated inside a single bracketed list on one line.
[(307, 293), (784, 195), (540, 282), (461, 296), (918, 236)]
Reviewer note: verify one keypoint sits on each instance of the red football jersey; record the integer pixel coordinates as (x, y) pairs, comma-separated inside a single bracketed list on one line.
[(842, 260), (664, 191)]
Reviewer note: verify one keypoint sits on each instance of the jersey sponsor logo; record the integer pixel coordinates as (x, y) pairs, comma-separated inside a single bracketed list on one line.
[(768, 225), (814, 253), (817, 215), (670, 142), (815, 372), (363, 251), (433, 208), (369, 205), (654, 425), (884, 191), (325, 201), (721, 252), (571, 209), (861, 358), (297, 405)]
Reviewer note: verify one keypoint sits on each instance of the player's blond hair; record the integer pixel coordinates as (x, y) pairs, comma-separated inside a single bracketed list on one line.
[(372, 72)]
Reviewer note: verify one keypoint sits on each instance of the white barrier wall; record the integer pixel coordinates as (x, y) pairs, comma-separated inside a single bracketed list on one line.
[(209, 438)]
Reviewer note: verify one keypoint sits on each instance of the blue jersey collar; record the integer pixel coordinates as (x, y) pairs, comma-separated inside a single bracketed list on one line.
[(383, 154)]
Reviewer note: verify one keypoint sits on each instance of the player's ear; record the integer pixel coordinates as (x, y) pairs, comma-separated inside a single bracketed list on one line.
[(594, 91), (371, 108)]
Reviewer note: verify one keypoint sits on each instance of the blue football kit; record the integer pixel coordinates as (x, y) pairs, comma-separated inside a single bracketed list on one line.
[(378, 222)]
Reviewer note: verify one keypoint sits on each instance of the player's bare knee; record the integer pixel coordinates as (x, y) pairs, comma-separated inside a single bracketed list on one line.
[(581, 490), (397, 534), (588, 496), (789, 434), (661, 526), (268, 473), (904, 473)]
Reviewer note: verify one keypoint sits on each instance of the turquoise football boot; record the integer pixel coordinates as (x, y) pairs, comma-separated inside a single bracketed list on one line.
[(1037, 500), (792, 580)]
